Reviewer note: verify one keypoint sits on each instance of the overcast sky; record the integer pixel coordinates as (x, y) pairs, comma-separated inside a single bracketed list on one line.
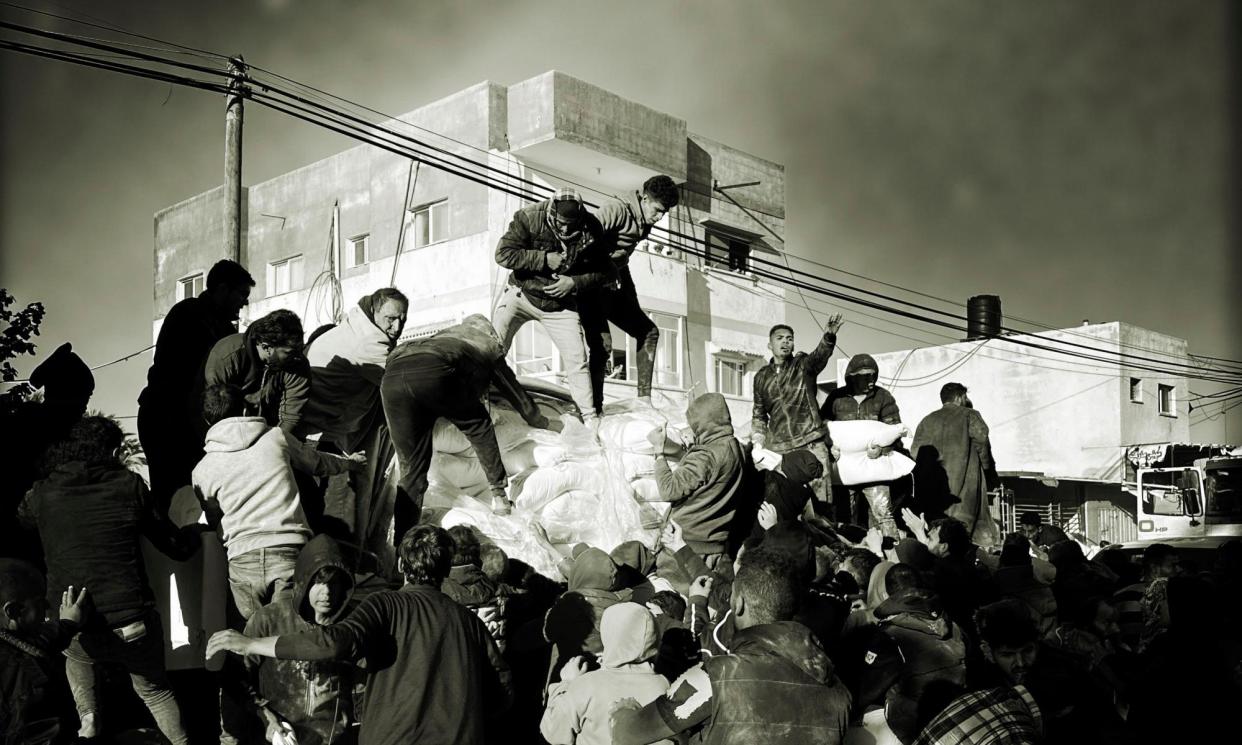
[(1072, 157)]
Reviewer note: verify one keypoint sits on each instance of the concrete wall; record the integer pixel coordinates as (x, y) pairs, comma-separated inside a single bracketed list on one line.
[(189, 238), (1142, 422)]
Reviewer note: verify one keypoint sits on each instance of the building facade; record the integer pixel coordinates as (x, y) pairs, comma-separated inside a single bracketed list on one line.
[(320, 237)]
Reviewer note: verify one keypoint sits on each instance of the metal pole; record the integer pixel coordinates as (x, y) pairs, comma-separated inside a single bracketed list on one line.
[(233, 160)]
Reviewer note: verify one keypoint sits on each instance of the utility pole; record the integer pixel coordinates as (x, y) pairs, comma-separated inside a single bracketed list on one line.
[(233, 159)]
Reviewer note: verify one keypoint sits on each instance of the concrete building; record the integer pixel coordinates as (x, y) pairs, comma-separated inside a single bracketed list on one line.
[(320, 237), (1060, 425)]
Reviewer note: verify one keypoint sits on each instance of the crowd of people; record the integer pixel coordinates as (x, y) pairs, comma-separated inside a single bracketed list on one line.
[(777, 605)]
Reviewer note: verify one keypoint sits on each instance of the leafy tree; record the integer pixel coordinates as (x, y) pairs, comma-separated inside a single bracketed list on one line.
[(20, 326)]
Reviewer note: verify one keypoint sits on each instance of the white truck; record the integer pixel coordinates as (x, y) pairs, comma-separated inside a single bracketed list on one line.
[(1200, 500)]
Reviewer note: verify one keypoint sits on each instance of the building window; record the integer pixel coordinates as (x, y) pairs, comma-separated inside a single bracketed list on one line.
[(1167, 401), (1136, 390), (669, 359), (358, 252), (284, 276), (728, 252), (427, 225), (730, 377), (533, 351), (191, 286)]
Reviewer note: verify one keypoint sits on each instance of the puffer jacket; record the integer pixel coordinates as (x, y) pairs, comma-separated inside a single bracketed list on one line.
[(524, 250), (276, 395), (705, 489), (317, 698)]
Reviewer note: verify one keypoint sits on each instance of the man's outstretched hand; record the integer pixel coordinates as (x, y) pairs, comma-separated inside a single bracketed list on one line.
[(834, 324)]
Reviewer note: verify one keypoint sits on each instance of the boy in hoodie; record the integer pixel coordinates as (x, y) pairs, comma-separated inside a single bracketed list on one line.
[(706, 487), (29, 651), (775, 685), (572, 623), (90, 512), (313, 700), (580, 705), (246, 484)]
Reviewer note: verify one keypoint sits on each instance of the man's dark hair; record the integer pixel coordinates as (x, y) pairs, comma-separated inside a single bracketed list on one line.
[(794, 541), (1030, 518), (670, 603), (280, 328), (953, 534), (902, 577), (1007, 623), (864, 560), (19, 581), (765, 580), (1156, 554), (221, 401), (950, 391), (92, 440), (662, 189), (466, 547), (1015, 551), (230, 273), (1083, 614), (384, 294), (780, 327), (426, 555)]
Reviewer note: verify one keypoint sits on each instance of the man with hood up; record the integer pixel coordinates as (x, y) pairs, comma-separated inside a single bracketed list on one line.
[(580, 705), (313, 700), (775, 685), (448, 375), (572, 625), (861, 399), (706, 487)]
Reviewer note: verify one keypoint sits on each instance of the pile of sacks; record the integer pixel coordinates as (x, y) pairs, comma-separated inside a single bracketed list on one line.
[(566, 488)]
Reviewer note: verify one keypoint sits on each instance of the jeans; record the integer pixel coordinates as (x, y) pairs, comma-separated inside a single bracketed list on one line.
[(564, 327), (260, 576), (621, 308), (142, 658)]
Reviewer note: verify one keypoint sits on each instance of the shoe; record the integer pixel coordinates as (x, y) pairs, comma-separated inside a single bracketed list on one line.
[(501, 506)]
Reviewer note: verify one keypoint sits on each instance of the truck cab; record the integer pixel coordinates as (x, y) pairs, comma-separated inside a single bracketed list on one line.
[(1190, 501)]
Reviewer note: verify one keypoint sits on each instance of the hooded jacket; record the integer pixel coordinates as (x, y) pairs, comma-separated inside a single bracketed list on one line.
[(524, 249), (90, 519), (786, 413), (277, 395), (572, 623), (248, 472), (916, 650), (346, 366), (315, 697), (578, 711), (776, 685), (706, 488), (878, 405)]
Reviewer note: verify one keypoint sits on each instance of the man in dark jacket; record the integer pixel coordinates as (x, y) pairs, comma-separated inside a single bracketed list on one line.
[(314, 700), (786, 416), (266, 363), (706, 487), (556, 251), (625, 223), (447, 375), (90, 512), (860, 399), (168, 423), (433, 671), (951, 450), (775, 685)]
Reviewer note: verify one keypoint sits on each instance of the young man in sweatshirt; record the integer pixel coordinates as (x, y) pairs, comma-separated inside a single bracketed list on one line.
[(705, 489), (245, 482)]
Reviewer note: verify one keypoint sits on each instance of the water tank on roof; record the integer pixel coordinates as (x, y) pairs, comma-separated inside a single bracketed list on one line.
[(983, 317)]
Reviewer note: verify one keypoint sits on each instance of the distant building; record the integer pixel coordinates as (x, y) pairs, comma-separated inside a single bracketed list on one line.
[(1060, 425), (551, 129)]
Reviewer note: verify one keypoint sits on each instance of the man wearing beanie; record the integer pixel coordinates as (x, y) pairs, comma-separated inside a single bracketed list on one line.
[(556, 252), (580, 704)]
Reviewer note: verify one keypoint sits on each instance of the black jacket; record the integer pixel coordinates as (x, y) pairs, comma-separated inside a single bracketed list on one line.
[(524, 249), (174, 382)]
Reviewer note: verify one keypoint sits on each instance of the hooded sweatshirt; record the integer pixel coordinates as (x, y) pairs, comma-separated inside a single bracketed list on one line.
[(706, 488), (878, 405), (573, 622), (346, 365), (248, 471), (315, 697), (578, 711), (776, 685)]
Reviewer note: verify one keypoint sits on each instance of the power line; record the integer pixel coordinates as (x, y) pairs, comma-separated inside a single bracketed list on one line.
[(116, 361)]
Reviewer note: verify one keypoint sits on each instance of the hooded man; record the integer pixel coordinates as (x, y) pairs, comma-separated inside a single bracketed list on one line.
[(448, 375), (556, 251), (625, 223), (951, 448), (572, 625), (785, 414), (580, 705), (774, 685), (313, 700), (705, 489), (861, 399), (265, 362)]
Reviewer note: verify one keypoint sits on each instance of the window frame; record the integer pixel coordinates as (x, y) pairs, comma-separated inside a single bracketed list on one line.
[(1169, 410), (740, 366), (190, 280), (1136, 390), (273, 268), (352, 249), (410, 243), (730, 240), (553, 361)]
